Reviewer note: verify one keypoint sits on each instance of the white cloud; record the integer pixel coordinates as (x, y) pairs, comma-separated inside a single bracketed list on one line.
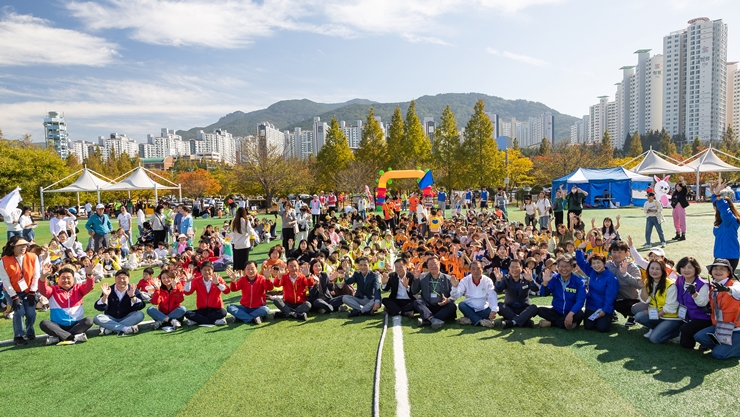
[(518, 57), (233, 24), (28, 40)]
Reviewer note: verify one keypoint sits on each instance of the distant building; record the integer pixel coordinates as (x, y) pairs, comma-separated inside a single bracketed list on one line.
[(736, 102), (353, 133), (429, 127), (730, 100), (116, 144), (82, 149), (319, 134), (158, 163), (167, 144), (217, 146), (55, 133), (495, 121)]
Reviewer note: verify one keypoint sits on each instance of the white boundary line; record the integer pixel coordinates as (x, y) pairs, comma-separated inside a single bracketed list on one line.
[(378, 358), (403, 408)]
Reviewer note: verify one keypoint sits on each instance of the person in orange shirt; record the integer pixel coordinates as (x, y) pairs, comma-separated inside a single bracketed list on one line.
[(413, 202), (390, 214)]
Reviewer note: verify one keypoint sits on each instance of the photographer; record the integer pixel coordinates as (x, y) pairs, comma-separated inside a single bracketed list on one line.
[(724, 336)]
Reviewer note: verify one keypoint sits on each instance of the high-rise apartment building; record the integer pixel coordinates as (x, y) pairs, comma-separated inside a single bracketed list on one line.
[(597, 120), (736, 102), (218, 145), (55, 133), (495, 121), (167, 144), (730, 99), (319, 134), (354, 133), (116, 144), (695, 95), (429, 126)]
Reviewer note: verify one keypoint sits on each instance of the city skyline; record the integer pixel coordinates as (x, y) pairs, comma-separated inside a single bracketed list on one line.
[(133, 67)]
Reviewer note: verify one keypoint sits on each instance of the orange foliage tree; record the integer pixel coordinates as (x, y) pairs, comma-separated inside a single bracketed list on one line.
[(198, 183)]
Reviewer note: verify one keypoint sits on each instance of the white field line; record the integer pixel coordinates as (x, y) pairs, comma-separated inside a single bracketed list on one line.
[(403, 409), (378, 359)]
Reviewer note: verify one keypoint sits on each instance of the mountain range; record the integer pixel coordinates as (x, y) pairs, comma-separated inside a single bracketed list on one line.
[(288, 114)]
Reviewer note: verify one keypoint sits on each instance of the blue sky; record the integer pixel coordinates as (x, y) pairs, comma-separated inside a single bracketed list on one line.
[(135, 66)]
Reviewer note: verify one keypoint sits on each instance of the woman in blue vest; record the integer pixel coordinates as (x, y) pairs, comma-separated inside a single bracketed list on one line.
[(692, 293)]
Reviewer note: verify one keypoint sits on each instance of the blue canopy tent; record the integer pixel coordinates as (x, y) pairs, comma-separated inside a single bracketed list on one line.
[(604, 185)]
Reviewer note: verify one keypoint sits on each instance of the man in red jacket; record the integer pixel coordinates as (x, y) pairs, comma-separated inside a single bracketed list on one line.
[(293, 304), (251, 307), (168, 295), (208, 303)]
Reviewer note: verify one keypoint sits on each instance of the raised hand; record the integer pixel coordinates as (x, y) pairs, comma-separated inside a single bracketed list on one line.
[(454, 281), (619, 216), (105, 288), (629, 241), (188, 274), (527, 274), (623, 267), (546, 276), (498, 274), (444, 301), (384, 278), (156, 283), (88, 270), (131, 291), (46, 270), (405, 281)]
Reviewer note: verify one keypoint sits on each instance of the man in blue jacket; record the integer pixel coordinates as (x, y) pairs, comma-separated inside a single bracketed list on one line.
[(568, 296), (99, 227), (367, 296)]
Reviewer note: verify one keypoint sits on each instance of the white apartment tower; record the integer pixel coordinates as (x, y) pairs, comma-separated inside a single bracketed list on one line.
[(495, 121), (612, 122), (695, 102), (730, 100), (735, 101), (628, 76), (429, 127), (116, 144), (55, 133), (354, 133), (168, 144), (653, 115), (597, 120), (319, 134), (218, 145)]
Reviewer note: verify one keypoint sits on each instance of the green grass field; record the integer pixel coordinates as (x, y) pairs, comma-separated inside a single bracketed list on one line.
[(325, 366)]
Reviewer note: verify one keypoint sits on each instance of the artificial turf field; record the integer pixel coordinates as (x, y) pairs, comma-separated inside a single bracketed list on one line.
[(325, 366)]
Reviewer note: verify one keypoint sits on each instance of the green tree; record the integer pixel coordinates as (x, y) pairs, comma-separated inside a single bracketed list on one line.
[(395, 142), (417, 147), (334, 156), (729, 142), (545, 147), (484, 162), (446, 150), (686, 151), (666, 145), (696, 146), (606, 151), (515, 144), (635, 145), (372, 148)]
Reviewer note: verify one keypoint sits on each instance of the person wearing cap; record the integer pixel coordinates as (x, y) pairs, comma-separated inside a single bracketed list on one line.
[(516, 309), (99, 227), (20, 272), (653, 218), (568, 296), (723, 337), (726, 224), (659, 308), (481, 303), (67, 321), (121, 305)]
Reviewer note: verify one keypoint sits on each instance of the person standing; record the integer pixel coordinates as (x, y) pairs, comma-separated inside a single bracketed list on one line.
[(679, 202), (20, 272), (559, 206), (158, 225), (290, 224), (361, 207), (88, 209), (653, 219), (124, 222), (442, 201), (13, 224), (726, 223), (575, 200), (543, 210), (27, 224), (99, 227), (502, 201), (315, 206), (241, 230)]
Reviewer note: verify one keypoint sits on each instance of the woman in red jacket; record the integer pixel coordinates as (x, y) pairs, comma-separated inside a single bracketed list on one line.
[(208, 303), (293, 304), (168, 296), (251, 307)]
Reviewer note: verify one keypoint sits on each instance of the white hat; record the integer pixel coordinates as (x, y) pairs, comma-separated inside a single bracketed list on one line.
[(658, 251), (100, 206)]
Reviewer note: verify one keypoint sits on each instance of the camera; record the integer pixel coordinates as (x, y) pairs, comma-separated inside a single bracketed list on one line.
[(691, 289)]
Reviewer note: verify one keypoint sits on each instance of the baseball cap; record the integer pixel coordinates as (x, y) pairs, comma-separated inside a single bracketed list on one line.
[(100, 206), (658, 251)]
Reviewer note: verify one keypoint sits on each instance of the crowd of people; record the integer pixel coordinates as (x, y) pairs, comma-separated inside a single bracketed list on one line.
[(408, 259)]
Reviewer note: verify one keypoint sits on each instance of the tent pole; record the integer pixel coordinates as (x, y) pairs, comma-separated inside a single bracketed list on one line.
[(156, 195), (698, 192), (98, 194), (78, 201), (41, 190), (179, 187)]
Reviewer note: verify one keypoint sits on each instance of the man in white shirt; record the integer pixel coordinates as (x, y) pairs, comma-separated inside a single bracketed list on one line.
[(543, 210), (481, 301), (12, 223), (88, 208)]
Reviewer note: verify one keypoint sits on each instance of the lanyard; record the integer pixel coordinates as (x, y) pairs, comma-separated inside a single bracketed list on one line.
[(20, 265), (434, 283)]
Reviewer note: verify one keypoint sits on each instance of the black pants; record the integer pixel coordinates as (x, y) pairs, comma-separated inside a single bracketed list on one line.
[(288, 308), (530, 221), (206, 315), (624, 306), (429, 312), (288, 233), (66, 332), (519, 314), (241, 256), (733, 263), (549, 314), (159, 236), (558, 218), (315, 219), (394, 307), (331, 305), (688, 330), (602, 324)]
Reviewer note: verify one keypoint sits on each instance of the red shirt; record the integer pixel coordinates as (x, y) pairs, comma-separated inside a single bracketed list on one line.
[(208, 299), (294, 292), (253, 292)]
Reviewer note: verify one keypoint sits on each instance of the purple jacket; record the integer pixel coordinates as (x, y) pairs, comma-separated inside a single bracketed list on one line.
[(694, 312)]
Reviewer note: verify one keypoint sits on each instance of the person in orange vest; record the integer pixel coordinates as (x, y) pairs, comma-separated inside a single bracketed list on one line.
[(723, 337), (390, 214), (20, 272)]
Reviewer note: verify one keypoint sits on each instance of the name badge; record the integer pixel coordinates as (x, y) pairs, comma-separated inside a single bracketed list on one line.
[(434, 297), (682, 310), (22, 285), (653, 314), (594, 316)]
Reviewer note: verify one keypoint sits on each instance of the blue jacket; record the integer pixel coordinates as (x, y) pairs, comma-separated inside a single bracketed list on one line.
[(726, 244), (185, 223), (569, 298), (602, 287), (99, 224), (367, 286)]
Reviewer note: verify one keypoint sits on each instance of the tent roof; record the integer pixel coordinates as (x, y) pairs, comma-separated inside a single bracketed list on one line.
[(710, 162), (138, 180), (584, 175), (654, 164), (85, 183)]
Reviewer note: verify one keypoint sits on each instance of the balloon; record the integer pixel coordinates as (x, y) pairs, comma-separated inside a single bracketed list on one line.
[(377, 180), (381, 172), (390, 169), (418, 180), (418, 168), (390, 182)]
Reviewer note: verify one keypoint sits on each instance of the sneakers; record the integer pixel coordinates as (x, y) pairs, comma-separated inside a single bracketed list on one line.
[(409, 314), (20, 341), (342, 308), (354, 313), (31, 336), (545, 323), (683, 236), (421, 322), (322, 311), (464, 321), (157, 325), (677, 237), (257, 320), (192, 323), (79, 338), (104, 332), (220, 322), (52, 340), (647, 246), (647, 335), (301, 316), (630, 321), (175, 323), (437, 324), (507, 324), (662, 244), (486, 323)]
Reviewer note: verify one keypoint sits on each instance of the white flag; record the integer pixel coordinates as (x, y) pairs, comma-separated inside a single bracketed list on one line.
[(10, 202)]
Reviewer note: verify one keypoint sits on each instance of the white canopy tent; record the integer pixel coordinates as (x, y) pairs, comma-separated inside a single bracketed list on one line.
[(653, 164), (708, 161), (138, 179), (86, 182)]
